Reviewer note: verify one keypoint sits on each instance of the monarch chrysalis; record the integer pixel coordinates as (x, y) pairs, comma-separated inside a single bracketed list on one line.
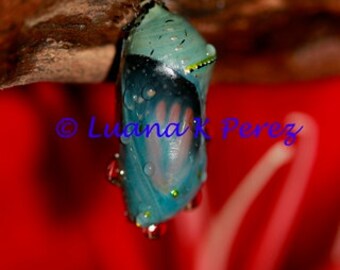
[(164, 79)]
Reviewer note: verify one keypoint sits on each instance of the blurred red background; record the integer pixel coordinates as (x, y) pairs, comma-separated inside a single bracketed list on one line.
[(265, 205)]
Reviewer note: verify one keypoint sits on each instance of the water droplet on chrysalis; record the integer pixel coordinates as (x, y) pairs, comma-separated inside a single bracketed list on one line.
[(154, 231), (113, 173), (149, 93), (149, 169), (140, 100), (125, 139), (195, 202), (129, 101)]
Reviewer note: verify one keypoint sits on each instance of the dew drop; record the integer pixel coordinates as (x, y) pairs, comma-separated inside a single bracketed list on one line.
[(178, 48), (140, 100), (112, 170), (124, 139), (143, 217), (129, 100), (149, 169), (211, 51), (149, 93), (173, 38), (114, 173), (154, 231), (140, 110), (195, 202)]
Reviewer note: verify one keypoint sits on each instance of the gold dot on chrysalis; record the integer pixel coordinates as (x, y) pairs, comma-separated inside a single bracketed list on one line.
[(147, 214), (174, 193)]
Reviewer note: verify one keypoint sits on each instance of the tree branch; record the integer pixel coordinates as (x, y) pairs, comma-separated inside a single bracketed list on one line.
[(256, 40)]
